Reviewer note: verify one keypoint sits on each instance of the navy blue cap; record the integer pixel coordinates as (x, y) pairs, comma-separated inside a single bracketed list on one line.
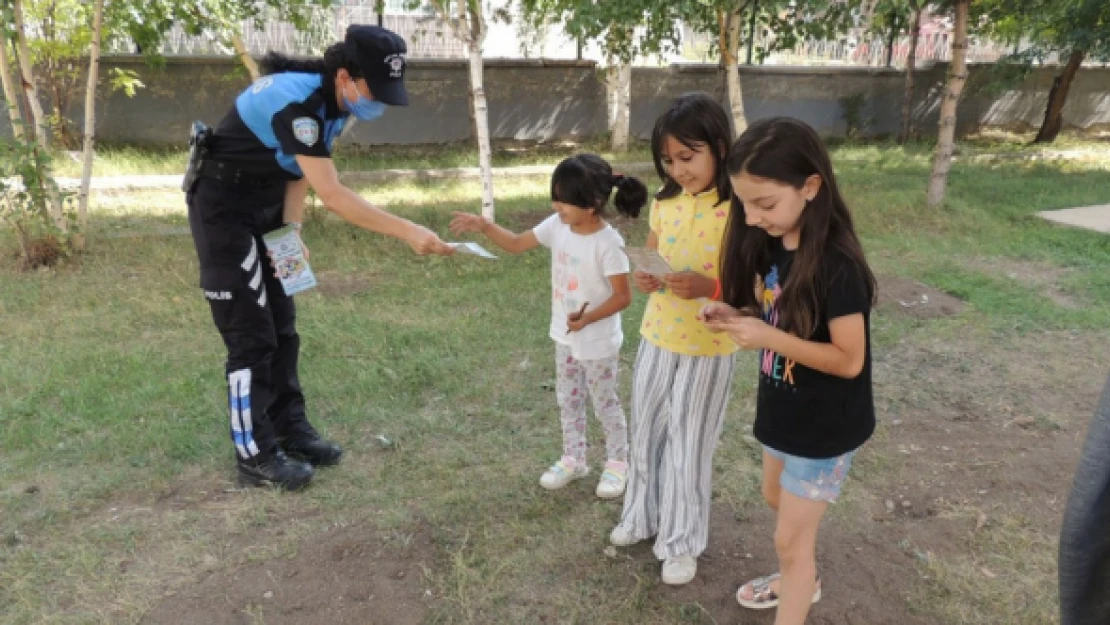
[(380, 56)]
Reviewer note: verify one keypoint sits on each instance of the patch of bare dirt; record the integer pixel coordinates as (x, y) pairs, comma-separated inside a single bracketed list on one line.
[(969, 426), (862, 573), (989, 426), (1043, 277), (974, 424), (336, 284), (904, 296), (347, 576)]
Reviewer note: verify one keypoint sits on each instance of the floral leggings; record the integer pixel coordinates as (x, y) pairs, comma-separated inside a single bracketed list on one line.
[(598, 378)]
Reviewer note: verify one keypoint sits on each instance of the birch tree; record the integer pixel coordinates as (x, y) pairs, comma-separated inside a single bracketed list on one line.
[(468, 24), (1075, 31), (905, 129), (222, 20), (957, 78), (626, 30), (90, 125), (791, 21), (27, 76), (11, 94), (891, 17)]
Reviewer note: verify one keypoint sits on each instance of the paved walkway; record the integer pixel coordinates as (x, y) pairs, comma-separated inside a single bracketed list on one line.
[(1095, 218)]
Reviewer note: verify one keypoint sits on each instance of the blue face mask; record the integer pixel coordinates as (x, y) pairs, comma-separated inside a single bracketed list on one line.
[(364, 108)]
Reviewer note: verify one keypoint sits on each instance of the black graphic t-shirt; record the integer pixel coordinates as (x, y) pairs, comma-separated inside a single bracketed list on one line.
[(801, 411)]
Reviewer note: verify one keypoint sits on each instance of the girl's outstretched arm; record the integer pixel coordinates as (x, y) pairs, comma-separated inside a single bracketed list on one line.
[(505, 239)]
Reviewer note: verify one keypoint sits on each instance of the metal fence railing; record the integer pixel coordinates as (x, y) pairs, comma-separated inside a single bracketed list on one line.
[(428, 37), (851, 51)]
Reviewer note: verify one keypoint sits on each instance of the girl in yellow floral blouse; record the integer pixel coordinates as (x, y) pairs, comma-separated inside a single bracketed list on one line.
[(683, 371)]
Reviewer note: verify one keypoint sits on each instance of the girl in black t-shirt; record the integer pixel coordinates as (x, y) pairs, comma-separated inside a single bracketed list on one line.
[(796, 287)]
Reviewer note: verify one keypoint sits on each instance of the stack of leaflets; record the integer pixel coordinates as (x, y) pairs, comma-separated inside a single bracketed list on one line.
[(289, 261)]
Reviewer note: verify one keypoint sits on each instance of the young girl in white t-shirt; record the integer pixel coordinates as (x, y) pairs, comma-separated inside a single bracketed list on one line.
[(589, 288)]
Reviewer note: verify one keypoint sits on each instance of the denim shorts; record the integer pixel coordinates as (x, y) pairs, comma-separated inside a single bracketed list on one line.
[(816, 479)]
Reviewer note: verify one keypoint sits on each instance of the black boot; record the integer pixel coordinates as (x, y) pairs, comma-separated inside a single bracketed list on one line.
[(313, 449), (275, 469)]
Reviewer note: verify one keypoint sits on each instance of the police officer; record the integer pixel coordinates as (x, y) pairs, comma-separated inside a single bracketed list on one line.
[(256, 170), (1084, 557)]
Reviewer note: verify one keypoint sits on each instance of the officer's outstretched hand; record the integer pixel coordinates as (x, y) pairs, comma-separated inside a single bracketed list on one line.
[(424, 241)]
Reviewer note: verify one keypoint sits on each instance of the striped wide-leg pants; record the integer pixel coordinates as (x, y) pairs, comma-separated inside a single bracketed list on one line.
[(678, 407)]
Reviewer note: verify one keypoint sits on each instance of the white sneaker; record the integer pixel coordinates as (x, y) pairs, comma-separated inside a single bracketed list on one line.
[(562, 473), (613, 480), (621, 537), (679, 570)]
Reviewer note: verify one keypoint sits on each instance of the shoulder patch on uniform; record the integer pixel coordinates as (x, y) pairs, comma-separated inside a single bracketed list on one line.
[(306, 130), (261, 84)]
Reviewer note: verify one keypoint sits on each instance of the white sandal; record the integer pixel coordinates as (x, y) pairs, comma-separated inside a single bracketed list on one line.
[(763, 597)]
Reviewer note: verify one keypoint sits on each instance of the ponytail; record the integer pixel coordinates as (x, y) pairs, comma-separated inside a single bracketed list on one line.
[(335, 58), (588, 181), (631, 195)]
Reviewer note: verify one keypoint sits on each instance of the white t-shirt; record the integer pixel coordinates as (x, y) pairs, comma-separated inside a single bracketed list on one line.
[(580, 269)]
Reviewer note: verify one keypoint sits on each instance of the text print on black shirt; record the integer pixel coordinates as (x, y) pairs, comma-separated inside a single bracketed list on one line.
[(802, 411), (774, 366)]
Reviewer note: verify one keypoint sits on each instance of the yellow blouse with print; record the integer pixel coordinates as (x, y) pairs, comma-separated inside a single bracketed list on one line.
[(690, 230)]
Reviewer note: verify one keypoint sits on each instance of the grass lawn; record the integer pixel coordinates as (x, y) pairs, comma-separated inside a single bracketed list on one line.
[(115, 160), (116, 484)]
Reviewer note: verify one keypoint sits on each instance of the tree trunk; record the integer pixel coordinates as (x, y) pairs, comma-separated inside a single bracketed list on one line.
[(245, 56), (621, 98), (1057, 97), (11, 96), (90, 126), (42, 138), (474, 37), (732, 73), (611, 80), (957, 76), (28, 78), (721, 91), (911, 67), (891, 37), (722, 35), (481, 119), (618, 85), (753, 15)]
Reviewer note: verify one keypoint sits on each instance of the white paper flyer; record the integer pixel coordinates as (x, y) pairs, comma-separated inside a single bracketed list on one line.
[(470, 247), (648, 261)]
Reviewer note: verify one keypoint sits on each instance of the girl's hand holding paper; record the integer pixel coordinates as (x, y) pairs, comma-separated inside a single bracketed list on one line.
[(690, 284), (646, 282)]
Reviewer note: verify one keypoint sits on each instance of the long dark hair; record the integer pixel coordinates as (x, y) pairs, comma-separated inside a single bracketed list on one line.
[(691, 119), (587, 181), (787, 150), (335, 58)]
